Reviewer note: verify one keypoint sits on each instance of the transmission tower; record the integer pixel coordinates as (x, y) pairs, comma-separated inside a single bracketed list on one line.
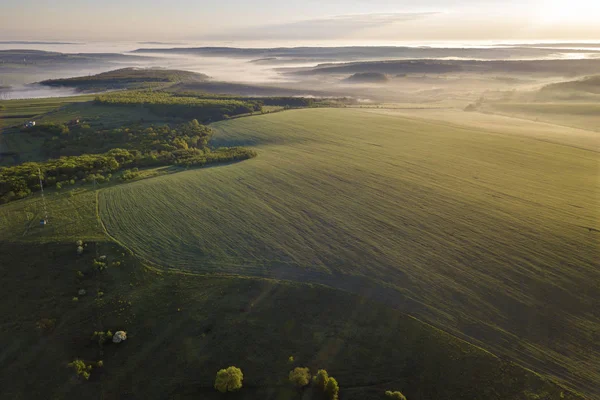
[(45, 220)]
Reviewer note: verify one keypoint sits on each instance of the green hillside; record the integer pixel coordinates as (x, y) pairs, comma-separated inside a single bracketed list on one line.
[(573, 113), (16, 112), (127, 78), (484, 234), (182, 328)]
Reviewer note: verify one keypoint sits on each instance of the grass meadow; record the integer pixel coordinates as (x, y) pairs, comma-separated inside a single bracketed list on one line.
[(491, 235), (182, 328)]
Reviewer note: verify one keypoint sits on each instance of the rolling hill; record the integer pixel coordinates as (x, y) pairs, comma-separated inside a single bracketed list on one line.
[(490, 235), (127, 78), (367, 77), (182, 328), (539, 68), (590, 84)]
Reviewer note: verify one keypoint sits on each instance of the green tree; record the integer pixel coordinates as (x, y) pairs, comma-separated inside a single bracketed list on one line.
[(81, 369), (300, 377), (395, 395), (332, 389), (229, 379), (320, 380)]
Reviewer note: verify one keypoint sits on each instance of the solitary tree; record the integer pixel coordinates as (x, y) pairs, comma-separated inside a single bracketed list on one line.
[(395, 395), (320, 380), (300, 377), (229, 379), (332, 389)]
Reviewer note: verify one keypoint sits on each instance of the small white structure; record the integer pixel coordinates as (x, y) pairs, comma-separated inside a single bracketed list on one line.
[(29, 124), (119, 336)]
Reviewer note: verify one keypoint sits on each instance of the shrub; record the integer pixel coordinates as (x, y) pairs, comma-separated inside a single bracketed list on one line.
[(320, 380), (129, 174), (395, 395), (80, 250), (99, 265), (80, 274), (300, 377), (229, 379), (75, 299), (81, 369), (332, 389)]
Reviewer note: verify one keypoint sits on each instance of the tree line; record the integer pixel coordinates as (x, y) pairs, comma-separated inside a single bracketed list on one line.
[(70, 140), (20, 181), (320, 386), (170, 105)]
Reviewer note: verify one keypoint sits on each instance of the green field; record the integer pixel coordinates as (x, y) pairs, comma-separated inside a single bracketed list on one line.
[(183, 328), (482, 233), (72, 216), (15, 112), (583, 115)]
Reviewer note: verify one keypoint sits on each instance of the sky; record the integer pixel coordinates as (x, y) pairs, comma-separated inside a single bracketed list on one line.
[(348, 21)]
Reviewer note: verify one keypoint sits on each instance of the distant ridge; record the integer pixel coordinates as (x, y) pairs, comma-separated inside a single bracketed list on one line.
[(27, 42), (361, 53)]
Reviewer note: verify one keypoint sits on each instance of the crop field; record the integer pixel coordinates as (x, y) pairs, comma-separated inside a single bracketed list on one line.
[(491, 122), (567, 113), (492, 236)]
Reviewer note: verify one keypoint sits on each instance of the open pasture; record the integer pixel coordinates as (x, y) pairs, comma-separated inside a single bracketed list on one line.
[(492, 236)]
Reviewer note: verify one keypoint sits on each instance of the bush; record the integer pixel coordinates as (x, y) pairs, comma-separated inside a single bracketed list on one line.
[(81, 369), (320, 380), (130, 174), (332, 389), (229, 379), (395, 395), (99, 265), (300, 377)]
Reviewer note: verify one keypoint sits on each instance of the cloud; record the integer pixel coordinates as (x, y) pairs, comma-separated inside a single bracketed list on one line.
[(337, 27)]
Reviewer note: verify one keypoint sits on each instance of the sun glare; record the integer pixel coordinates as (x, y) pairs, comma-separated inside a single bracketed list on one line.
[(568, 12)]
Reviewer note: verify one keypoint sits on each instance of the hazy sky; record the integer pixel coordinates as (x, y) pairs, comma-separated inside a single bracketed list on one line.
[(305, 20)]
